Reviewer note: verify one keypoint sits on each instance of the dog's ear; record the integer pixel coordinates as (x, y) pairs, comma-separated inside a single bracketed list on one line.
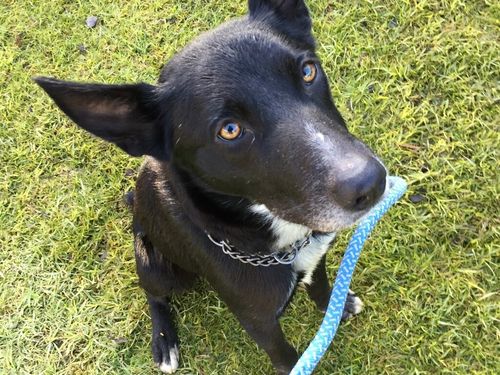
[(288, 17), (126, 115)]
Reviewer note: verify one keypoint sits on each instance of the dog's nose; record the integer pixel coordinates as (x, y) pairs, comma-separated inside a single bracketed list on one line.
[(362, 190)]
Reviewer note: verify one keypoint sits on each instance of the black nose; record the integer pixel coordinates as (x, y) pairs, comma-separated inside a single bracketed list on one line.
[(362, 190)]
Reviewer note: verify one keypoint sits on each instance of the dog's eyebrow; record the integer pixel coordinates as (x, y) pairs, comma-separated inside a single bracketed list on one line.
[(235, 108)]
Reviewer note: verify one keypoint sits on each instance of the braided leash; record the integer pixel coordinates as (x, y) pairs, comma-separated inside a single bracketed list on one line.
[(328, 328)]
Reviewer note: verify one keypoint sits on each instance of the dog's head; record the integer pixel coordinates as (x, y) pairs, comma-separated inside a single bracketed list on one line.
[(244, 111)]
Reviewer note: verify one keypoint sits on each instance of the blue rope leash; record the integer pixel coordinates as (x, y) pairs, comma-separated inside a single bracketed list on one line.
[(328, 328)]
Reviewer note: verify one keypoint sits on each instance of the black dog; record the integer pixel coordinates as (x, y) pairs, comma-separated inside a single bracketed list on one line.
[(250, 171)]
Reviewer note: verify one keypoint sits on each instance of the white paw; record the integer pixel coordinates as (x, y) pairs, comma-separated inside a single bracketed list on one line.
[(353, 306), (173, 363), (357, 305)]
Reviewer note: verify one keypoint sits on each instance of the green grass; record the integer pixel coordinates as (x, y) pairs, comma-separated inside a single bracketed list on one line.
[(417, 80)]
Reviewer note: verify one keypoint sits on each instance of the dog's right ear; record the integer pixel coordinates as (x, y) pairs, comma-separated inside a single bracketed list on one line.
[(126, 115), (288, 17)]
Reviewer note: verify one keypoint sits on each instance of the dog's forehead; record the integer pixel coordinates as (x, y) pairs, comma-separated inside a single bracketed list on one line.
[(236, 63), (246, 52), (235, 49)]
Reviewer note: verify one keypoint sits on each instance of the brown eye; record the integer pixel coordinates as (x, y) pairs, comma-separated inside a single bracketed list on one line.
[(231, 130), (309, 71)]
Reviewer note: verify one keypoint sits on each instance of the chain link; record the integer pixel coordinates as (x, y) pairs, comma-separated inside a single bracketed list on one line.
[(273, 259)]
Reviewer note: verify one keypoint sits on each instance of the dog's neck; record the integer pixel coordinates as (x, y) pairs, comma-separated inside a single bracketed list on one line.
[(236, 219), (285, 232)]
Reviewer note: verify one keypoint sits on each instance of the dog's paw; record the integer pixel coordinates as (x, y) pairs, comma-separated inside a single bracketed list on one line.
[(165, 354), (353, 305)]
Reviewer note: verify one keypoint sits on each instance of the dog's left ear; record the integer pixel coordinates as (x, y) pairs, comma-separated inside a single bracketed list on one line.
[(288, 17), (126, 115)]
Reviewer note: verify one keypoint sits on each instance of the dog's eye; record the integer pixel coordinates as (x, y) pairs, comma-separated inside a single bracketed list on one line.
[(309, 71), (231, 130)]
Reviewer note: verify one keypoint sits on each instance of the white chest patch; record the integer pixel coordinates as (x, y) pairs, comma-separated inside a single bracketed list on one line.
[(287, 233), (308, 258)]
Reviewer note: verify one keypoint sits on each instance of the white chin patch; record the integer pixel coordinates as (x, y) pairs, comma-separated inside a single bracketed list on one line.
[(286, 232), (169, 368)]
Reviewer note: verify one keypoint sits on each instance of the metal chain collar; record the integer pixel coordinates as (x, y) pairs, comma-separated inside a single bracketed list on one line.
[(273, 259)]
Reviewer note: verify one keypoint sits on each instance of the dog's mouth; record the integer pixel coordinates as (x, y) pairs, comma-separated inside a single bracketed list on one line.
[(321, 216)]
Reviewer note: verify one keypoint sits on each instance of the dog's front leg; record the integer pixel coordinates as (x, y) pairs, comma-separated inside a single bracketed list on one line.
[(319, 290), (257, 297), (159, 278), (164, 345), (268, 335)]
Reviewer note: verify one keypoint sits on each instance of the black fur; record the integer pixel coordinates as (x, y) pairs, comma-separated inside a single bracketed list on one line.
[(294, 155)]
